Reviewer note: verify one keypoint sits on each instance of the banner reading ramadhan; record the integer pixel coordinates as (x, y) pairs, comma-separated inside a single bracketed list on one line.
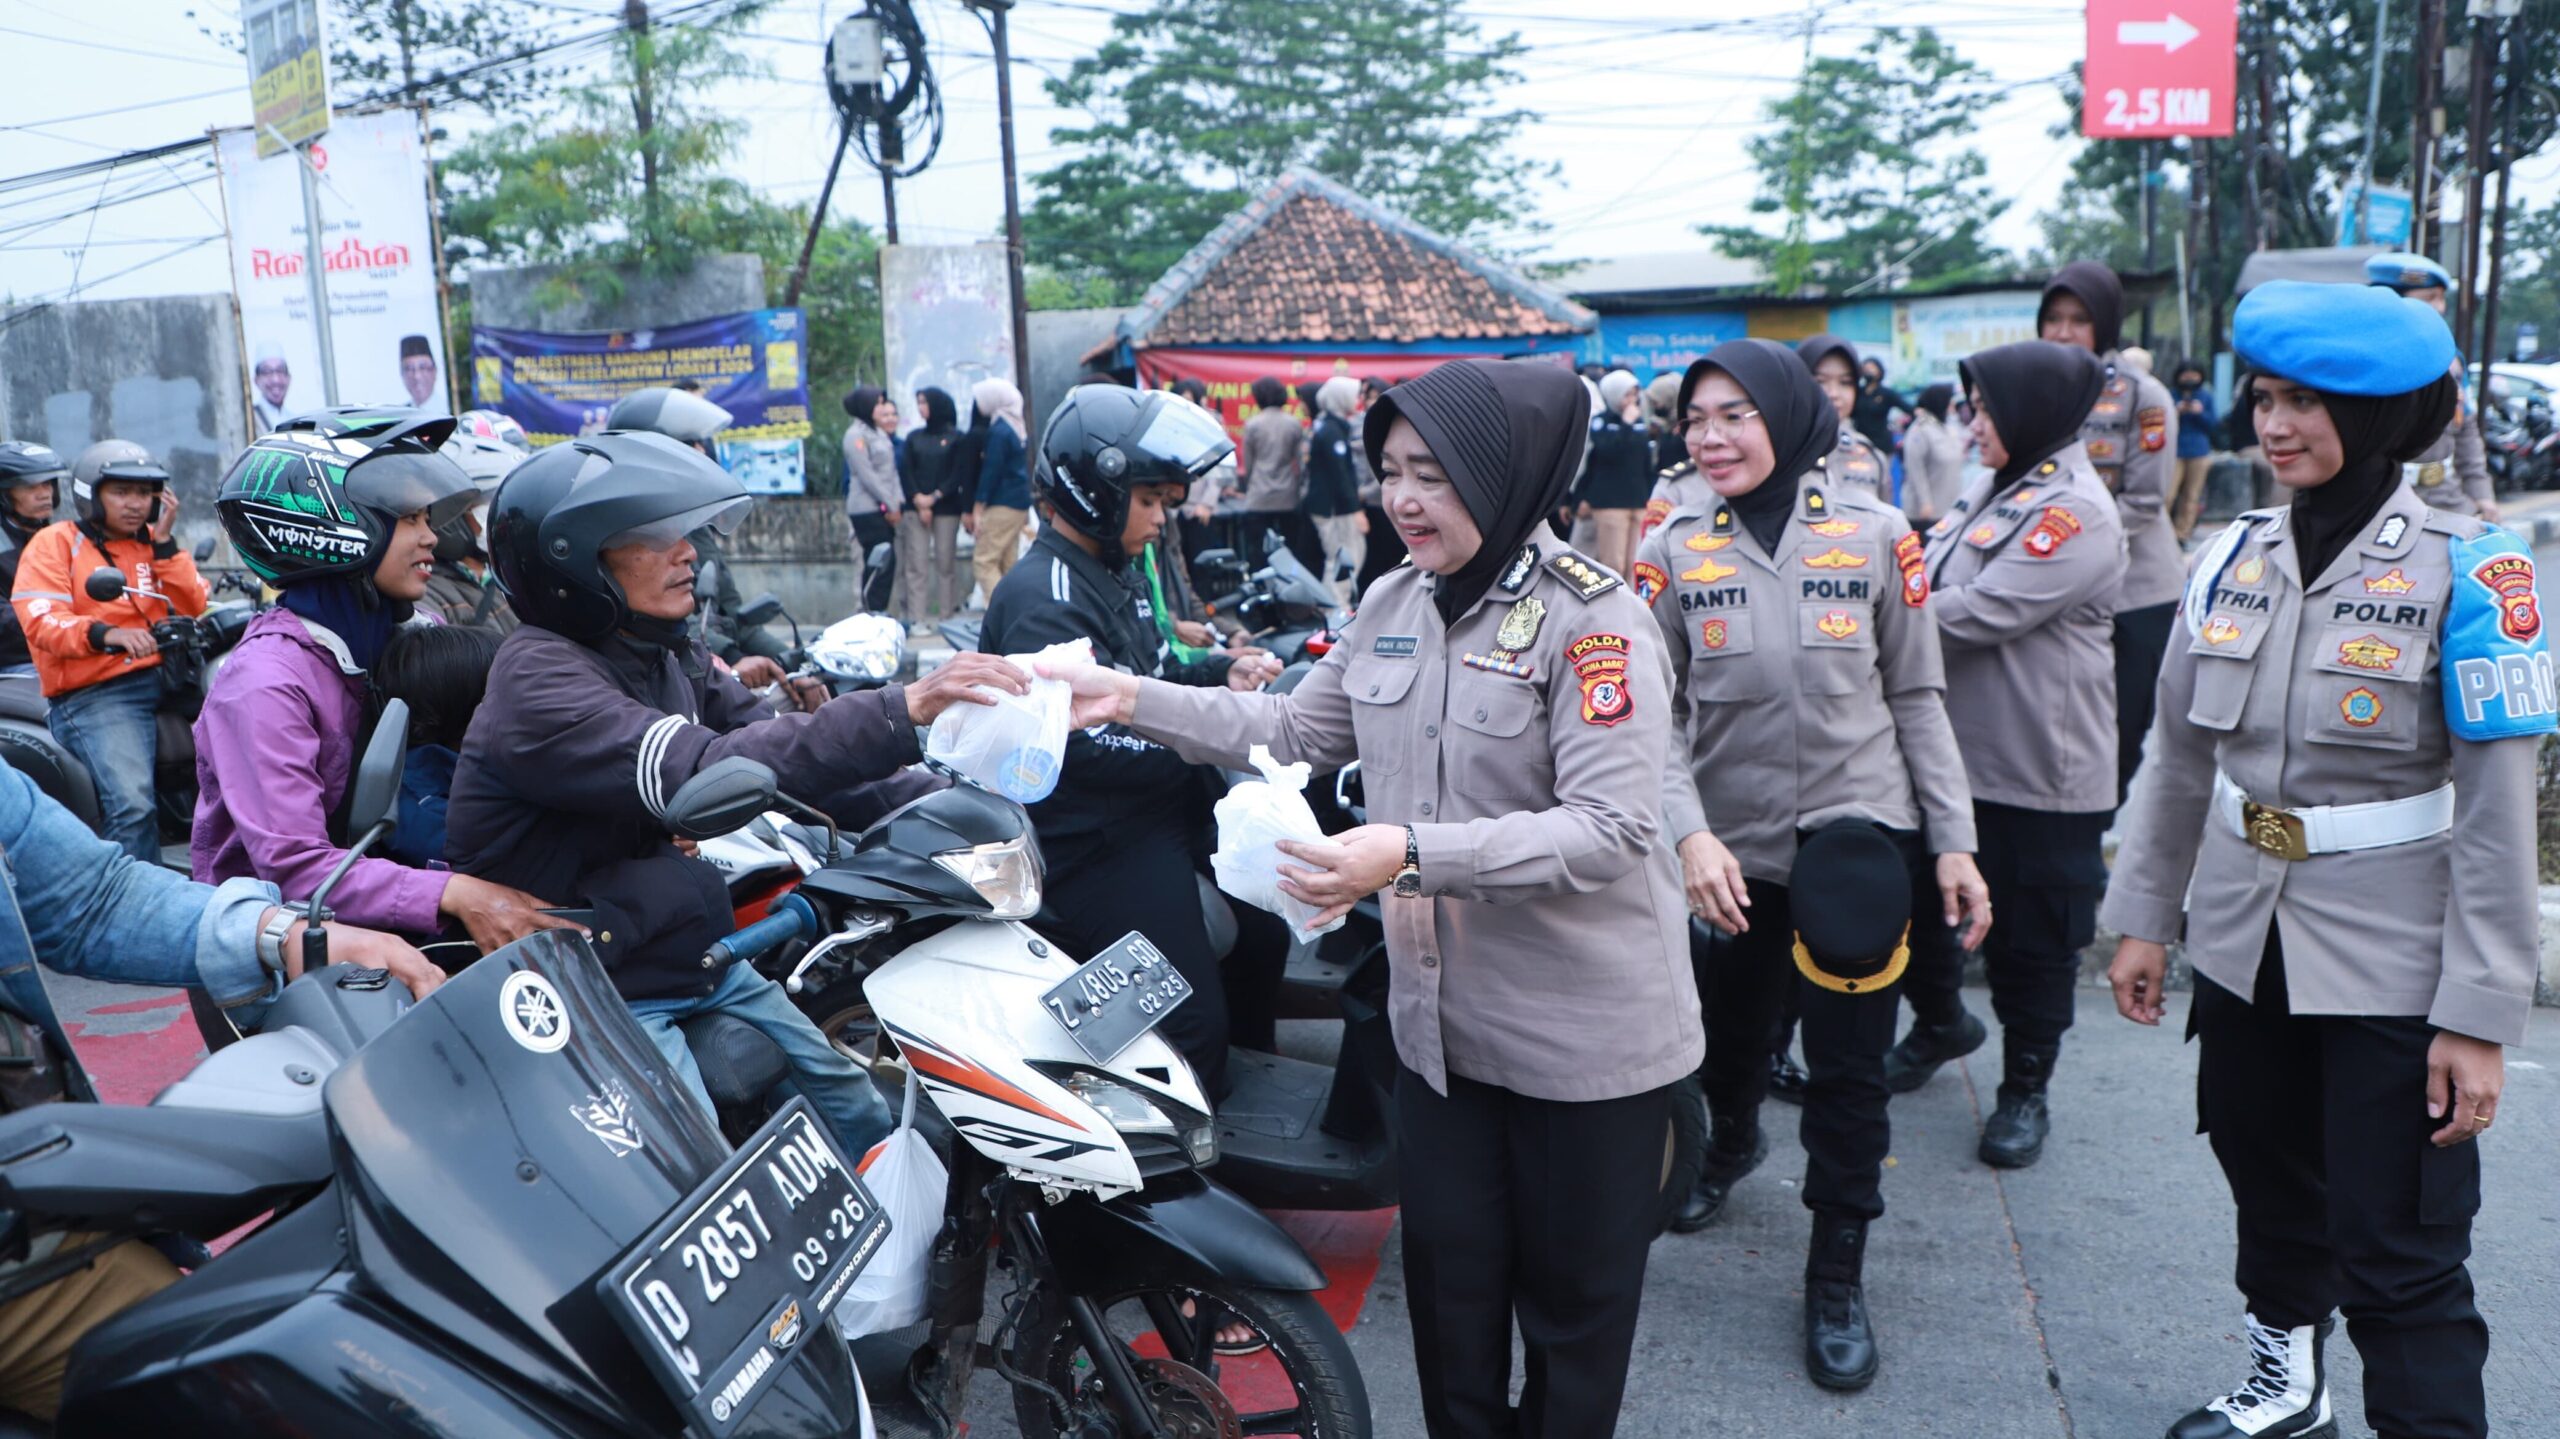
[(559, 386)]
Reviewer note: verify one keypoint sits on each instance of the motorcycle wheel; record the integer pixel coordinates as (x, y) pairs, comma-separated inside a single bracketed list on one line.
[(845, 1017), (1684, 1149), (1302, 1383)]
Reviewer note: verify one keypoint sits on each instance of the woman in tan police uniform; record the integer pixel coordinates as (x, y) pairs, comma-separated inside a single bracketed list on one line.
[(1511, 709), (2340, 800), (1808, 688)]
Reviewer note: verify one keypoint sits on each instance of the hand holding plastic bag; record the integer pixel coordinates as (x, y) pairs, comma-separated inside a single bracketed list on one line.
[(1253, 817), (1016, 745)]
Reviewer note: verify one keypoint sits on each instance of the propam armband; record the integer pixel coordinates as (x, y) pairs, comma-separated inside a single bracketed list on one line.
[(2497, 663)]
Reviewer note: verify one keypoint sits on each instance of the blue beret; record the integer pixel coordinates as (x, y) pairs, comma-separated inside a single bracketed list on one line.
[(2341, 339), (2403, 271)]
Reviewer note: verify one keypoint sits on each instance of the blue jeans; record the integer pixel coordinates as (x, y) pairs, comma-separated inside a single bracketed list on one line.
[(113, 729), (842, 1094)]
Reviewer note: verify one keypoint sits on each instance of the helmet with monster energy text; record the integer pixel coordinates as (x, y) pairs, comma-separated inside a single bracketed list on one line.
[(321, 494)]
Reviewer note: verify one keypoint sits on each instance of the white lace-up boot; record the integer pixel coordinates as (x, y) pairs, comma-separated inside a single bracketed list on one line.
[(2285, 1397)]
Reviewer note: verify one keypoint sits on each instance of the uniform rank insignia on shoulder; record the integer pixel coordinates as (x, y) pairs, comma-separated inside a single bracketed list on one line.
[(1707, 572), (1707, 544), (1650, 581), (1497, 663), (1908, 557), (1520, 627), (1397, 646), (1814, 503), (1836, 558), (1515, 576), (2154, 423), (1835, 529), (1600, 662), (1587, 579), (2053, 530), (2390, 582), (2388, 537)]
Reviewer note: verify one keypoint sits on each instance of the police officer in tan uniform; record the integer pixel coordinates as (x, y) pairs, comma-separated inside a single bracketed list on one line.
[(1834, 362), (2451, 474), (2024, 574), (1808, 688), (1511, 708), (2132, 439), (2341, 801)]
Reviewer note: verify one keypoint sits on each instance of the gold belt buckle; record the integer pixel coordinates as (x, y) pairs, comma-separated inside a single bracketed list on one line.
[(2277, 831)]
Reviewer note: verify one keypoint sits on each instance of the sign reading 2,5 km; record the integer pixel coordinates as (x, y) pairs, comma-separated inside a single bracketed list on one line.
[(2159, 68)]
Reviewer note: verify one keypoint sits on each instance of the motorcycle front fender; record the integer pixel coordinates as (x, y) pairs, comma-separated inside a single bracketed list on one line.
[(1181, 1226)]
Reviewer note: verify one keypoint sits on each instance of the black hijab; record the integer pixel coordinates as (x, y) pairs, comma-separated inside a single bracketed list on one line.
[(1803, 428), (2377, 434), (2038, 393), (1935, 400), (1814, 349), (863, 400), (1510, 434), (2098, 289), (940, 413)]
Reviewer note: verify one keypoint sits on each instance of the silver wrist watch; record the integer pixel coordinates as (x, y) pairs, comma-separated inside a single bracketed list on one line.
[(271, 932)]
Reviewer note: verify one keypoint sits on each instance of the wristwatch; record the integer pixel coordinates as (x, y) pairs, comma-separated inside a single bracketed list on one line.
[(271, 932), (1409, 878)]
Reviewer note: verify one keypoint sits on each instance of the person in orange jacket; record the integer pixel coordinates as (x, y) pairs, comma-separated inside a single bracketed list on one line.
[(96, 658)]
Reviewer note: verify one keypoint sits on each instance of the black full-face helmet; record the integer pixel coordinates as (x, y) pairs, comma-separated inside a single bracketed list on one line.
[(321, 494), (111, 460), (1105, 440), (677, 414), (558, 512)]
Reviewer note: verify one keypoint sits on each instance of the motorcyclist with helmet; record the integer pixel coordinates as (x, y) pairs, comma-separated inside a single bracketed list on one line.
[(339, 510), (97, 658), (1117, 833), (691, 420), (460, 590), (604, 703), (30, 478)]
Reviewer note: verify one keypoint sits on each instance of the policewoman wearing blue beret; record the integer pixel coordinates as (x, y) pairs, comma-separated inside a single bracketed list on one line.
[(2339, 797)]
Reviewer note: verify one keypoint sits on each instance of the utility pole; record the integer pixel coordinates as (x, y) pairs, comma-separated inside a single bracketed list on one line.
[(2425, 124), (408, 45), (313, 247), (2212, 258), (635, 18), (2372, 122), (2519, 45), (992, 14), (2262, 198), (2150, 228), (2475, 180), (818, 217)]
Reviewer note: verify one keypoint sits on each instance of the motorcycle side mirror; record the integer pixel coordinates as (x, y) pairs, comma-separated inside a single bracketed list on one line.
[(204, 549), (374, 797), (724, 796), (1215, 559), (105, 583), (763, 610)]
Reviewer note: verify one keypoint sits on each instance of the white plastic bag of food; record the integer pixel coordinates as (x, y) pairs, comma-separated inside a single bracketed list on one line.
[(908, 1179), (1016, 745), (1253, 817)]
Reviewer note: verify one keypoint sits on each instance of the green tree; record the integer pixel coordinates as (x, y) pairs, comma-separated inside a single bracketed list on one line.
[(1197, 104), (2531, 292), (435, 51), (1866, 161)]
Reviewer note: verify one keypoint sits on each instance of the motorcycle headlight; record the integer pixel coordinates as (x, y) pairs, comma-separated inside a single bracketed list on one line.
[(1005, 875), (1131, 1112)]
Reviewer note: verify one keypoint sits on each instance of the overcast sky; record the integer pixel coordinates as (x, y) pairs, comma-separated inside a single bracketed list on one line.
[(1646, 125)]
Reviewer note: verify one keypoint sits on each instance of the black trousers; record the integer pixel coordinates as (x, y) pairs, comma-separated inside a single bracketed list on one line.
[(2320, 1122), (1529, 1210), (1386, 550), (1140, 878), (1747, 980), (2046, 874), (2142, 641), (1295, 531)]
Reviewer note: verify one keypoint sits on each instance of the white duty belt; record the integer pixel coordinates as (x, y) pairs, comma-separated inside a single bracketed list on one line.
[(2331, 828)]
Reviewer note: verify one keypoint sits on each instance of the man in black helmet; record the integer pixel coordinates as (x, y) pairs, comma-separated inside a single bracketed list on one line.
[(30, 475), (604, 703), (683, 415), (1117, 832)]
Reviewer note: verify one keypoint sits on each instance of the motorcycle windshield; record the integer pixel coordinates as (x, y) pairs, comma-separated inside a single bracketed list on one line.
[(1295, 584), (508, 1139)]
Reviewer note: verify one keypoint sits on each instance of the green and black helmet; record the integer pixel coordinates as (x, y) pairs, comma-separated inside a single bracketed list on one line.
[(321, 494)]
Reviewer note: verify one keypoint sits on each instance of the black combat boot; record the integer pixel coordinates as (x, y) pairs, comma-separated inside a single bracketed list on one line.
[(2285, 1397), (1734, 1148), (1839, 1344), (2013, 1137), (1786, 1080), (1909, 1064)]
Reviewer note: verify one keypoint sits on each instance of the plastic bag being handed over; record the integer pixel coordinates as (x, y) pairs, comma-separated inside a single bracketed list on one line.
[(1253, 817), (1016, 745)]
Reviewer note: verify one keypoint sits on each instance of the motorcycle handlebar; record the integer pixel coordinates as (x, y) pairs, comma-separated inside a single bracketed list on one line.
[(790, 919)]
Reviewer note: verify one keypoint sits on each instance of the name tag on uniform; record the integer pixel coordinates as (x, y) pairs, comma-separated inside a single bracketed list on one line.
[(1400, 646)]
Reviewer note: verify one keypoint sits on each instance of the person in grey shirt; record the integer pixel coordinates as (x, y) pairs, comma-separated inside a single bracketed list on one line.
[(1272, 468), (1932, 457), (873, 494)]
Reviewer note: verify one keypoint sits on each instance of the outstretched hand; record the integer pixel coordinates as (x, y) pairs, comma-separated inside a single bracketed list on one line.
[(1102, 696), (962, 682)]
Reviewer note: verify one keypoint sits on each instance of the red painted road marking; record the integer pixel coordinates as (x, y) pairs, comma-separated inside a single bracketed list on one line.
[(131, 1068)]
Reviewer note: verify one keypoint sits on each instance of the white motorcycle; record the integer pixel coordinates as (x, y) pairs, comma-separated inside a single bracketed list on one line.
[(1079, 1136)]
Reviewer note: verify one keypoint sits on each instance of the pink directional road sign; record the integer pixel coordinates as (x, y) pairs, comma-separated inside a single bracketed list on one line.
[(2159, 68)]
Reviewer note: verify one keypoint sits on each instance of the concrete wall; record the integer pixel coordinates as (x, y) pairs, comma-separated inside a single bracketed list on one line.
[(1059, 339), (523, 298), (164, 373)]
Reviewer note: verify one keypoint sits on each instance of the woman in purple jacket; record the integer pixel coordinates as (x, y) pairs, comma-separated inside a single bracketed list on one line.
[(337, 510)]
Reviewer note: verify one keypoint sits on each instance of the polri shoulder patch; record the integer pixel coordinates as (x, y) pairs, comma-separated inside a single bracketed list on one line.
[(1515, 576), (1586, 579)]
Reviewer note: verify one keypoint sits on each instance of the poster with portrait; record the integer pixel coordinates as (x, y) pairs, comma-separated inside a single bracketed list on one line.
[(378, 253)]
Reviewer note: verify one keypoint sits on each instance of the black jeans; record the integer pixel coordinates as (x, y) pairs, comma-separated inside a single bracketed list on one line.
[(1534, 1210), (2320, 1123), (1746, 981), (2046, 874), (1102, 886), (2142, 641)]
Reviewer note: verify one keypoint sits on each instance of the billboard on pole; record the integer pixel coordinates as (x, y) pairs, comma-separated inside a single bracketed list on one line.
[(946, 313), (288, 72), (377, 251), (2159, 68)]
